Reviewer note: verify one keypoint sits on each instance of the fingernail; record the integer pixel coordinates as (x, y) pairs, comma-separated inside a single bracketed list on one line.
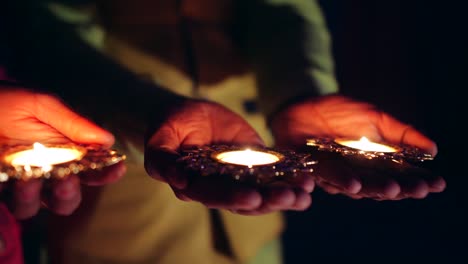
[(421, 189), (354, 186), (65, 192), (248, 198), (439, 184), (392, 189)]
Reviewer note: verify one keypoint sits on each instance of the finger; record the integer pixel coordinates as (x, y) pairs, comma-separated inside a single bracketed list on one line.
[(412, 186), (397, 132), (387, 189), (224, 194), (182, 130), (411, 136), (181, 195), (304, 182), (104, 176), (166, 138), (203, 125), (277, 198), (26, 198), (64, 195), (334, 190), (378, 184), (437, 184), (303, 200), (161, 164), (355, 196), (434, 181), (161, 154), (77, 128), (331, 189), (337, 173)]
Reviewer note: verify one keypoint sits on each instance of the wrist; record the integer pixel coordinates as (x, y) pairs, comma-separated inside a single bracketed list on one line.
[(282, 110)]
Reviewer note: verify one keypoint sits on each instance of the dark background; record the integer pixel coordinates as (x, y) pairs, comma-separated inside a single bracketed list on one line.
[(408, 58)]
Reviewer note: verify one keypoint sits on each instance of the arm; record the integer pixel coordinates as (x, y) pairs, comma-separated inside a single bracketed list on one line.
[(29, 117), (47, 54), (174, 121), (290, 51), (290, 40)]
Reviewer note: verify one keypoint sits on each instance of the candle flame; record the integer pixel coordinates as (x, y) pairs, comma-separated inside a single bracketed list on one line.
[(247, 157), (248, 153), (364, 144), (43, 157), (41, 150), (364, 140), (38, 146)]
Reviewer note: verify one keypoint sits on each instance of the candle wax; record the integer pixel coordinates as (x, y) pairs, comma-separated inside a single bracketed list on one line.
[(41, 156), (247, 157), (365, 145)]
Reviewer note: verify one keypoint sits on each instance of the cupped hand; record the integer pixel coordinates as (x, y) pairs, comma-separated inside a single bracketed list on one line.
[(29, 117), (339, 116), (198, 123)]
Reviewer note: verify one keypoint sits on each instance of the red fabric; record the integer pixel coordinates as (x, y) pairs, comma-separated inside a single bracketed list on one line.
[(3, 75), (10, 234)]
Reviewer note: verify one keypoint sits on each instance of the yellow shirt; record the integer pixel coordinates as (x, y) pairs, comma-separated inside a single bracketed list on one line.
[(138, 219)]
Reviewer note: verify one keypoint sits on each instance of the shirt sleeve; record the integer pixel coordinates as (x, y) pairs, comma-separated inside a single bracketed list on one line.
[(47, 54), (289, 47)]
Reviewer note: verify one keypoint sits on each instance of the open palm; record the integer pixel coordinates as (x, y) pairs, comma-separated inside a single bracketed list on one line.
[(339, 116), (198, 123), (28, 117)]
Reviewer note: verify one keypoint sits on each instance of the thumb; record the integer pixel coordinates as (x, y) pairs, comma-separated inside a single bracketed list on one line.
[(397, 132), (161, 153), (53, 112)]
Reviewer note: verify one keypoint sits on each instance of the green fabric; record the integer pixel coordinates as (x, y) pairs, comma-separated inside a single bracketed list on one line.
[(283, 38), (288, 39), (271, 253), (289, 48)]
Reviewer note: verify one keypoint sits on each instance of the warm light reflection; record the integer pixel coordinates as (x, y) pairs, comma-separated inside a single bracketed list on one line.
[(43, 157), (247, 157), (365, 145)]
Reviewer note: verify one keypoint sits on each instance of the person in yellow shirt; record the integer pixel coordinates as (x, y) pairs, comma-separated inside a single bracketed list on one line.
[(164, 74)]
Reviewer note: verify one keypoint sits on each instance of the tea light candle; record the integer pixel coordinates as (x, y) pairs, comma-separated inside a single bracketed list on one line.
[(43, 157), (365, 145), (53, 161), (253, 165), (368, 149), (247, 157)]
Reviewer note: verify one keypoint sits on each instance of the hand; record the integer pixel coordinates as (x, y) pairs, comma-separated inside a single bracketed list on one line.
[(29, 117), (338, 116), (198, 123)]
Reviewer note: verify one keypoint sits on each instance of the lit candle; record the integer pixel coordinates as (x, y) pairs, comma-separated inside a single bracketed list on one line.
[(43, 157), (365, 145), (248, 157)]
